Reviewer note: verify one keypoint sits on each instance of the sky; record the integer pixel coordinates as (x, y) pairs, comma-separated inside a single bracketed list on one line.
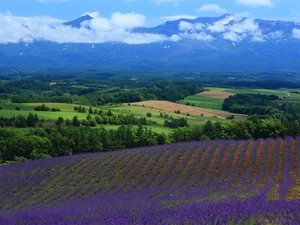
[(29, 20)]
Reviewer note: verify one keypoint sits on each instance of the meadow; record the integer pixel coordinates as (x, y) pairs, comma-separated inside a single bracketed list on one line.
[(198, 116), (203, 101), (200, 182)]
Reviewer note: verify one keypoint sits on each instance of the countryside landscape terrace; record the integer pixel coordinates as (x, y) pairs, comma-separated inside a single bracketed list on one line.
[(149, 112)]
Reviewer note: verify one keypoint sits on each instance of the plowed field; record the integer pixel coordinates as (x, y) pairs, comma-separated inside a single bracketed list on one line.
[(184, 109), (215, 94)]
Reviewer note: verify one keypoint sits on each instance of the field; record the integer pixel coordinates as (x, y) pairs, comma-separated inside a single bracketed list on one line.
[(204, 182), (197, 109), (216, 94), (198, 116), (279, 92), (169, 107), (67, 112), (203, 102)]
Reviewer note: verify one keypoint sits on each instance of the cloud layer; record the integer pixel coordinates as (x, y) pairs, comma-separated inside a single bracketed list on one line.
[(118, 28), (211, 8)]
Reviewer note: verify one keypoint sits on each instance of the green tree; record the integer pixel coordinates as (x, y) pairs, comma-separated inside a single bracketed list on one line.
[(31, 120), (76, 121), (90, 110)]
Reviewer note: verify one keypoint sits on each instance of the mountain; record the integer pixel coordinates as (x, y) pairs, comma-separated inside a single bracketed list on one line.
[(228, 43), (77, 22)]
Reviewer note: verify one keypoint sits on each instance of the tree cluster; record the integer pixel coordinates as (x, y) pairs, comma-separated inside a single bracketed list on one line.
[(263, 105), (19, 121), (18, 144), (45, 108)]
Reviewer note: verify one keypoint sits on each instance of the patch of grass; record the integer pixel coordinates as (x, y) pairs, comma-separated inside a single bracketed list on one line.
[(12, 106), (203, 102)]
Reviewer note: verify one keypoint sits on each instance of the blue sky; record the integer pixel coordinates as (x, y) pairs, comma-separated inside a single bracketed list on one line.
[(154, 10), (28, 20)]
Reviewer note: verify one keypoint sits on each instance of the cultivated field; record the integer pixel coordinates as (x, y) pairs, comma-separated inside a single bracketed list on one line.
[(216, 94), (203, 182), (283, 92), (169, 107)]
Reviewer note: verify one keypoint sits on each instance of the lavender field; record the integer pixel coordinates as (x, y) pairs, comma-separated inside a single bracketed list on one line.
[(203, 182)]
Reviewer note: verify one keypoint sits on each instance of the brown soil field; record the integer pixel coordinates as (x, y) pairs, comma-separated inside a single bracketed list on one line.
[(215, 94), (184, 109)]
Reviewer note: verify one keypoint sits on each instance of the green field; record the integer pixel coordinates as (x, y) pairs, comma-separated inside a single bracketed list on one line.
[(67, 111), (203, 102), (216, 103), (279, 92)]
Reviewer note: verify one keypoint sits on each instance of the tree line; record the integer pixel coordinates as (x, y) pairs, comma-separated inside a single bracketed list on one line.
[(22, 145), (99, 93), (262, 105)]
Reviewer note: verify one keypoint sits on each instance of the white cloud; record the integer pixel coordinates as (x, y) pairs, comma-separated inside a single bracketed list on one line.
[(211, 8), (128, 20), (296, 33), (118, 28), (256, 3), (217, 27), (184, 26), (248, 25), (177, 17), (97, 30), (99, 23), (276, 34), (198, 36), (232, 36)]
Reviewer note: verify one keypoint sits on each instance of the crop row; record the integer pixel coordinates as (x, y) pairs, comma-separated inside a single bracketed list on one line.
[(192, 171)]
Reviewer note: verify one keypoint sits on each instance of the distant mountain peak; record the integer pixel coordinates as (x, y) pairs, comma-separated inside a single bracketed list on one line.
[(77, 23)]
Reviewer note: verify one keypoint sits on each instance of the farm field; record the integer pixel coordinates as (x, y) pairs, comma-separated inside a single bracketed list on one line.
[(169, 107), (203, 102), (279, 92), (213, 99), (201, 182), (67, 112)]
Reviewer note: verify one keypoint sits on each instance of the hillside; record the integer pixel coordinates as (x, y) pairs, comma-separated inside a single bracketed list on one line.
[(202, 182)]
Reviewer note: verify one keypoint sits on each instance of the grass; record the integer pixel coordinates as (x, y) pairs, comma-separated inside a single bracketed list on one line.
[(203, 101), (67, 111), (140, 111), (155, 128)]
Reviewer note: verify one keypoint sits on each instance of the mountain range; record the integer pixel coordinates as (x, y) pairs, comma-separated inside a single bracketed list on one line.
[(229, 43)]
